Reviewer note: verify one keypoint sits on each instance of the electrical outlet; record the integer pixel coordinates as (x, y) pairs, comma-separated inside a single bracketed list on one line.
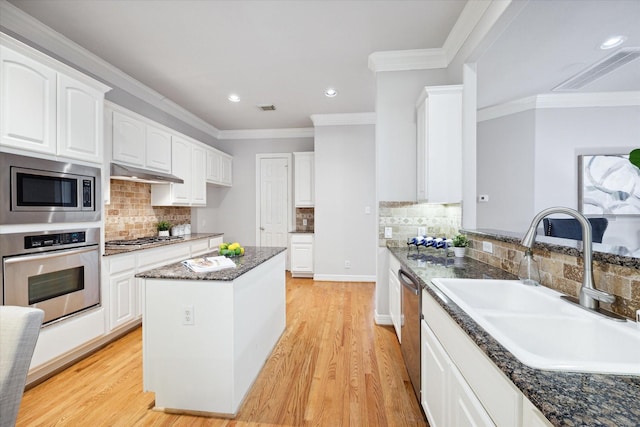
[(187, 315), (304, 222), (367, 210), (388, 232), (638, 317), (347, 264), (487, 247), (422, 231)]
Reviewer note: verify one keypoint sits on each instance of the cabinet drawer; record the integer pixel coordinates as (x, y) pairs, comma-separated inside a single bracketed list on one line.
[(499, 396), (120, 263), (199, 247), (302, 238), (151, 258)]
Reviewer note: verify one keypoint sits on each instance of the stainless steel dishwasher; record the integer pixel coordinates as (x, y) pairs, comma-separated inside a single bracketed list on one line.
[(410, 329)]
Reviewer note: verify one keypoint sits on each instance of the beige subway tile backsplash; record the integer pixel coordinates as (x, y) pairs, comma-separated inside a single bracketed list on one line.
[(130, 214)]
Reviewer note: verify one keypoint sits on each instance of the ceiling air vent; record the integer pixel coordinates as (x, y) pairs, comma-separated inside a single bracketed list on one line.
[(600, 69), (269, 107)]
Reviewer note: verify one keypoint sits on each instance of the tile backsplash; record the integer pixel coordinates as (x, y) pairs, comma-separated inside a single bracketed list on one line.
[(130, 214), (303, 214), (404, 218)]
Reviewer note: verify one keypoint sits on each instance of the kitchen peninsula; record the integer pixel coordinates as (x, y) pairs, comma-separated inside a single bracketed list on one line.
[(207, 335)]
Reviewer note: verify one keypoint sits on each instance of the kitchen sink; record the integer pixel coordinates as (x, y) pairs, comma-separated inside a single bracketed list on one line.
[(545, 332)]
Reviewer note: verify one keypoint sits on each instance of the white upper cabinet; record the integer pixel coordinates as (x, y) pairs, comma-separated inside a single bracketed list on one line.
[(28, 103), (128, 139), (157, 149), (48, 107), (189, 163), (80, 121), (304, 179), (140, 142), (439, 144), (219, 168)]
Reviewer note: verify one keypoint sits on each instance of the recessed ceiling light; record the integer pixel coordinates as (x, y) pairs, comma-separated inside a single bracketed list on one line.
[(612, 42), (330, 92), (234, 98)]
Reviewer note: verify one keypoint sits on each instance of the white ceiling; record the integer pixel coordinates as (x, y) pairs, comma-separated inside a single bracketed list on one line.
[(285, 53), (551, 41)]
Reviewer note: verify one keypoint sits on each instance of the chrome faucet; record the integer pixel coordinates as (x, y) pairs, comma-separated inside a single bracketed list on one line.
[(590, 297)]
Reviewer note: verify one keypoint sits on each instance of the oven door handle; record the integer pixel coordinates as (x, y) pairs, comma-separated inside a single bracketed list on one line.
[(412, 285), (50, 254)]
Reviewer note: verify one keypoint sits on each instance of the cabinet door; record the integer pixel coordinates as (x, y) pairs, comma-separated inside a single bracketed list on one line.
[(226, 163), (128, 140), (439, 145), (466, 409), (198, 176), (214, 173), (434, 378), (181, 162), (157, 149), (302, 257), (304, 179), (27, 103), (124, 306), (79, 120)]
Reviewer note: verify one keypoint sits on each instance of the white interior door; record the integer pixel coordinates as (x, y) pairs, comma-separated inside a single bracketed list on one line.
[(274, 193)]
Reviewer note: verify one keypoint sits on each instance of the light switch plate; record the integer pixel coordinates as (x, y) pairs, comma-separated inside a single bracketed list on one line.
[(422, 231), (388, 232), (487, 247)]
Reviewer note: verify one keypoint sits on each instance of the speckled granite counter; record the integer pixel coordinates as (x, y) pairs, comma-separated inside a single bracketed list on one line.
[(186, 238), (565, 398), (253, 257)]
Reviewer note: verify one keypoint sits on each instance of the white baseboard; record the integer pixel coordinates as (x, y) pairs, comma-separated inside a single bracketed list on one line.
[(382, 319), (343, 278)]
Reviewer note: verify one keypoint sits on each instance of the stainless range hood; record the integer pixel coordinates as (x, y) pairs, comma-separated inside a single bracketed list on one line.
[(130, 173)]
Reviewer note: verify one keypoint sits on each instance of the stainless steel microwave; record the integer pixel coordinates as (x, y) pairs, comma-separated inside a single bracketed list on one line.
[(36, 190)]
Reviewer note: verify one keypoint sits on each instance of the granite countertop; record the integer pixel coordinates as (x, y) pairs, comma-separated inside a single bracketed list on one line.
[(301, 232), (253, 257), (186, 238), (565, 398)]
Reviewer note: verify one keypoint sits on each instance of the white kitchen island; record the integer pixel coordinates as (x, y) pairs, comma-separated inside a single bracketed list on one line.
[(206, 336)]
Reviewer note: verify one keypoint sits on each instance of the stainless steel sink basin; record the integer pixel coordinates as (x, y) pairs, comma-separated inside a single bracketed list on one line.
[(545, 332)]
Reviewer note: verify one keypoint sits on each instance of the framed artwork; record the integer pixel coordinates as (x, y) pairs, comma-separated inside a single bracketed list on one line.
[(608, 185)]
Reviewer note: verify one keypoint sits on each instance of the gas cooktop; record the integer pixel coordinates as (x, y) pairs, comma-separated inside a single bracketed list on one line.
[(142, 241)]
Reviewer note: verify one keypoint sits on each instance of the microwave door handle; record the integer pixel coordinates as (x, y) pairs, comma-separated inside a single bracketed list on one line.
[(49, 255)]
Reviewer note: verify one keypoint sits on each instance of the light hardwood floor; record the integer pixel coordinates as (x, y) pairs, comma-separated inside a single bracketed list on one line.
[(332, 367)]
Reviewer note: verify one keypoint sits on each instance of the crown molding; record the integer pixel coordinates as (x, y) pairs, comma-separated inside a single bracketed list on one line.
[(405, 60), (561, 100), (343, 119), (426, 59), (42, 37), (469, 18), (266, 133)]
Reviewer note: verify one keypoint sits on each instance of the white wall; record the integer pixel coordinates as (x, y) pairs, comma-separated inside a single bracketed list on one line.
[(528, 162), (232, 211), (505, 170), (345, 185), (396, 96)]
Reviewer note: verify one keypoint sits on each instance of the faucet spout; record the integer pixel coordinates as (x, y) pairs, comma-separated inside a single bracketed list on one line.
[(589, 295)]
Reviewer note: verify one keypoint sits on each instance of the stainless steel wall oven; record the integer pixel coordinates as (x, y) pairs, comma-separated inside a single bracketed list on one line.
[(56, 271), (46, 191)]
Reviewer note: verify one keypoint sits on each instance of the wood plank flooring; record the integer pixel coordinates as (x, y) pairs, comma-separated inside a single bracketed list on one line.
[(332, 367)]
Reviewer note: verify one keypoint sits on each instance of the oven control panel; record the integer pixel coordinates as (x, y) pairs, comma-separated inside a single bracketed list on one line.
[(54, 239)]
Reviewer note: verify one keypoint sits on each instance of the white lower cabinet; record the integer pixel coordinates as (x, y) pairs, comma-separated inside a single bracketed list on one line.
[(301, 255), (125, 302), (460, 385), (395, 296)]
